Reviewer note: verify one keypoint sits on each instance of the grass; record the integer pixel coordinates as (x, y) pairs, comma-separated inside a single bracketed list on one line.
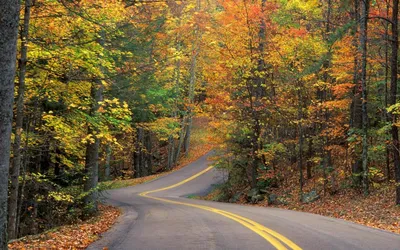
[(119, 183)]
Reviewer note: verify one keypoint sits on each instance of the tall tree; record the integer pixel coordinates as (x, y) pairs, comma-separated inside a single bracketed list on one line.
[(364, 95), (92, 147), (355, 112), (192, 80), (92, 151), (393, 93), (19, 116), (9, 13)]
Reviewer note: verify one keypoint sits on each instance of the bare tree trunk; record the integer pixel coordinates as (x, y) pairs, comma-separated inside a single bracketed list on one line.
[(309, 160), (171, 152), (9, 13), (107, 169), (364, 95), (393, 94), (181, 141), (387, 118), (19, 117), (139, 163), (149, 153), (301, 141), (21, 193)]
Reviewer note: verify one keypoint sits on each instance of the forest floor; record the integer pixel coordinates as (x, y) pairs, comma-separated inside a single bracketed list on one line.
[(81, 235), (376, 210), (77, 236)]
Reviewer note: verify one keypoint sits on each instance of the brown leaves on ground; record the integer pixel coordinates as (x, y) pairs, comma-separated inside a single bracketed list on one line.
[(376, 210), (77, 236)]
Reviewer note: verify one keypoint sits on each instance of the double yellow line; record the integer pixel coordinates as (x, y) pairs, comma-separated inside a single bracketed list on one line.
[(277, 240)]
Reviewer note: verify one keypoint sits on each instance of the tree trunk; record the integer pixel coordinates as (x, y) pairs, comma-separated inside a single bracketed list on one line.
[(309, 160), (19, 116), (171, 152), (21, 193), (139, 163), (301, 141), (107, 169), (181, 141), (393, 95), (9, 13), (192, 83), (356, 116), (92, 153), (186, 144), (149, 154), (363, 45), (387, 118)]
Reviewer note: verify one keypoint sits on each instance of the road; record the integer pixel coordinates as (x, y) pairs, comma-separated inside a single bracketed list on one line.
[(156, 215)]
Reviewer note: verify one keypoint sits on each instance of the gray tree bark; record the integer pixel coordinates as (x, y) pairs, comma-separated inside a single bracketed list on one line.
[(19, 117), (9, 18)]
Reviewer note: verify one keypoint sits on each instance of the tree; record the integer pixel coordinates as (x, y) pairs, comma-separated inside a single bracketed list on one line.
[(364, 6), (393, 93), (19, 117), (9, 12)]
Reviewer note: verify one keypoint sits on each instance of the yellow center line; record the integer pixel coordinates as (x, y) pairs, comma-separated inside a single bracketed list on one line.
[(268, 234)]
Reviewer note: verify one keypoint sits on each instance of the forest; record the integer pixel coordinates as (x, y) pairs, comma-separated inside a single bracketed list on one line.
[(299, 94)]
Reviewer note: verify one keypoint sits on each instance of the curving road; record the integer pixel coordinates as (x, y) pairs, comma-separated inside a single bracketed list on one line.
[(157, 216)]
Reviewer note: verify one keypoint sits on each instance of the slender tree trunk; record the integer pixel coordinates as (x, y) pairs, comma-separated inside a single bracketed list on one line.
[(323, 93), (356, 116), (171, 152), (192, 83), (9, 14), (149, 153), (301, 141), (21, 193), (139, 163), (309, 162), (19, 116), (107, 164), (181, 141), (393, 94), (363, 45), (387, 118)]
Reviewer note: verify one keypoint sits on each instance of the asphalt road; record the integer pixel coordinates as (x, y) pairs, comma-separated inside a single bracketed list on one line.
[(165, 219)]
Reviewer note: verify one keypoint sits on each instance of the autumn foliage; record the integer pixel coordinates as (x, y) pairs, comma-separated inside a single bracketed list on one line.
[(300, 98)]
